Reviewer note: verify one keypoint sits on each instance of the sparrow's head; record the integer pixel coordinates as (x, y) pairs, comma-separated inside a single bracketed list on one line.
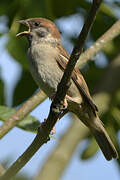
[(40, 29)]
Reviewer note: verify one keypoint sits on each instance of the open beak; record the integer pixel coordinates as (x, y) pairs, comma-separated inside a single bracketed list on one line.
[(24, 33)]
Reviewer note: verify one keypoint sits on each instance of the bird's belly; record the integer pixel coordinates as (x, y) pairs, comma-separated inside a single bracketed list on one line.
[(45, 76), (47, 73)]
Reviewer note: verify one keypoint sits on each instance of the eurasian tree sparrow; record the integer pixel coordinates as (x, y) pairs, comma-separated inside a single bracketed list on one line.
[(47, 60)]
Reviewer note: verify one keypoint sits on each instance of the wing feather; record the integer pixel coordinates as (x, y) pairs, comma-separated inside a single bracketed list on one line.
[(76, 77)]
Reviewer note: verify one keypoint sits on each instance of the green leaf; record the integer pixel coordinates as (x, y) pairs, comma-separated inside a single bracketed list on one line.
[(29, 123), (66, 7), (91, 149), (112, 131), (24, 89), (92, 75), (17, 47)]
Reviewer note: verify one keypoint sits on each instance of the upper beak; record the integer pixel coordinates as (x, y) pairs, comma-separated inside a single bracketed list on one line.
[(24, 33)]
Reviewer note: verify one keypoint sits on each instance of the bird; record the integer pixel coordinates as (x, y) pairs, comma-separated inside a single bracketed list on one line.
[(47, 61)]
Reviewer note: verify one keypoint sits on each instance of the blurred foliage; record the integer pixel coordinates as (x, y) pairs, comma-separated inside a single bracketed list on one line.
[(90, 150), (29, 123), (54, 9), (26, 89), (2, 99)]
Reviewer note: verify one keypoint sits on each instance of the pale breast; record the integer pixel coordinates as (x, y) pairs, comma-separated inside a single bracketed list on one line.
[(44, 68)]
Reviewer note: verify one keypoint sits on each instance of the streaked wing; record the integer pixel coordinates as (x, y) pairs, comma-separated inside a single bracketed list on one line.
[(76, 77)]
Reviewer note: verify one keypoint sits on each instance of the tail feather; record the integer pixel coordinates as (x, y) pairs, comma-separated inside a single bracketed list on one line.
[(97, 129), (105, 143)]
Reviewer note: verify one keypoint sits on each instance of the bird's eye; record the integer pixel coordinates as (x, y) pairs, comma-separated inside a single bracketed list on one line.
[(37, 24)]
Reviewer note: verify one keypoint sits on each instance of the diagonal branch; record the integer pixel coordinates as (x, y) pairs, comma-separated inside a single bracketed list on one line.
[(99, 44), (55, 110)]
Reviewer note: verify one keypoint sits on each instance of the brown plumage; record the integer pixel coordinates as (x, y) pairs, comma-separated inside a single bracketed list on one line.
[(96, 126), (47, 60)]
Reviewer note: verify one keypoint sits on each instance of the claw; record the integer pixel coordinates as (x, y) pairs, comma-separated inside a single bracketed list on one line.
[(53, 131), (65, 104)]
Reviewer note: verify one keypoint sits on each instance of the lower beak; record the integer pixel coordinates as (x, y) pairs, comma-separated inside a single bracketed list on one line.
[(24, 33)]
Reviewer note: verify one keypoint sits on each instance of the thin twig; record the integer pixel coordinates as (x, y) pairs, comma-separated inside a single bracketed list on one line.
[(55, 110), (24, 110)]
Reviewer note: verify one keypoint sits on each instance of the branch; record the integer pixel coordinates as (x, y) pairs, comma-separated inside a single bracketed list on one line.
[(60, 157), (99, 44), (2, 170), (24, 110), (55, 109)]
